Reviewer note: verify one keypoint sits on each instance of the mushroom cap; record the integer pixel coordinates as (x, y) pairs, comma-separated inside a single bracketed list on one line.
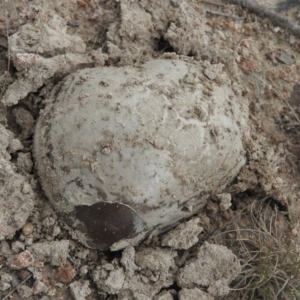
[(122, 152)]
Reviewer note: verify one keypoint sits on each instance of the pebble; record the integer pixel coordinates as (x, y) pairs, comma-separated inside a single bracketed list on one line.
[(22, 260), (27, 229)]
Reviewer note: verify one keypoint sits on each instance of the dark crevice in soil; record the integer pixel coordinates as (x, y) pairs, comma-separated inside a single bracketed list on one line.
[(163, 46)]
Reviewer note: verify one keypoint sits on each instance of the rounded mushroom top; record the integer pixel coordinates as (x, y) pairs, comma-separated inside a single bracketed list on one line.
[(124, 151)]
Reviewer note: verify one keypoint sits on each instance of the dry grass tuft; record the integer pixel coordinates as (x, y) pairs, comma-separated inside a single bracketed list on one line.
[(270, 268)]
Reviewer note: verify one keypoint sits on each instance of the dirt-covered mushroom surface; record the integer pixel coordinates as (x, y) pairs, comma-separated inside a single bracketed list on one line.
[(122, 151), (148, 150)]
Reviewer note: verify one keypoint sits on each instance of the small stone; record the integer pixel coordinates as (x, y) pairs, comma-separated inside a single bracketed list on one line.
[(52, 292), (25, 120), (83, 254), (59, 284), (115, 279), (27, 228), (184, 235), (6, 278), (108, 267), (225, 200), (157, 260), (80, 289), (83, 270), (222, 35), (29, 241), (25, 291), (66, 273), (48, 221), (213, 263), (4, 286), (26, 189), (22, 260), (109, 282), (17, 246), (5, 248), (16, 205), (127, 260), (176, 3), (276, 29), (39, 287), (24, 162), (56, 230), (56, 252), (15, 145)]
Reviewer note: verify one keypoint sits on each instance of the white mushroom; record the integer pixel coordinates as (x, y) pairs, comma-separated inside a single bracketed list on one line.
[(123, 152)]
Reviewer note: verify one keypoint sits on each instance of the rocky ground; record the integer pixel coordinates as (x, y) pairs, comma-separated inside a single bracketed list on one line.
[(244, 244)]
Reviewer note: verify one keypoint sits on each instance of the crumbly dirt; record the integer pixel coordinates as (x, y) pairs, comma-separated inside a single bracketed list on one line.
[(41, 42)]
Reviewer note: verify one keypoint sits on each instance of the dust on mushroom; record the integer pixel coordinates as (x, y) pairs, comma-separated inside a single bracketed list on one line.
[(116, 198)]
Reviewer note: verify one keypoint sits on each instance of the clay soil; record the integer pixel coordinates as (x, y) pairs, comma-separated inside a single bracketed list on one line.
[(43, 41)]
